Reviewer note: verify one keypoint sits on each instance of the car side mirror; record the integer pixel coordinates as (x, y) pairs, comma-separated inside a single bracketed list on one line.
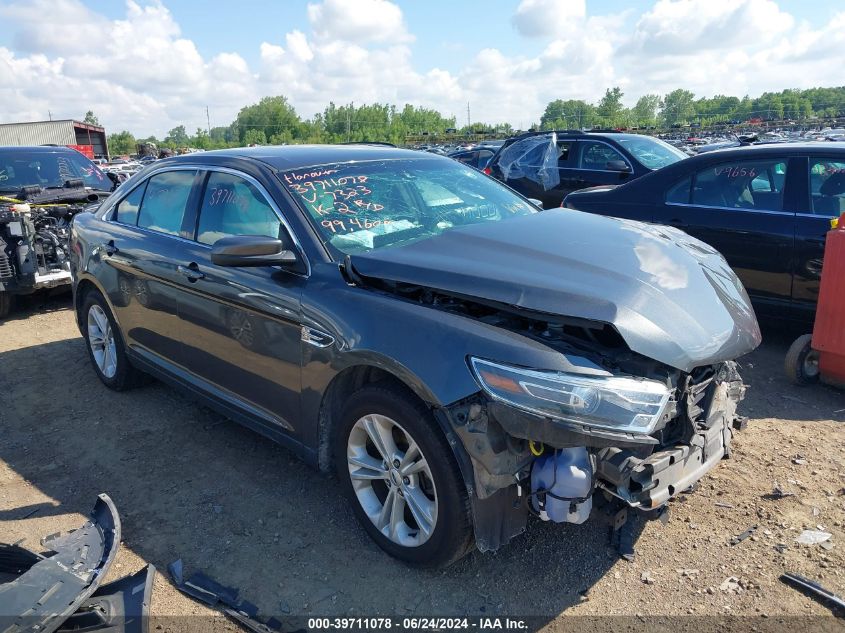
[(536, 203), (251, 250), (618, 165)]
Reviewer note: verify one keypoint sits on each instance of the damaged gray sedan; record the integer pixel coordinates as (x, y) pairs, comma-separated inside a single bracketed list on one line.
[(460, 360)]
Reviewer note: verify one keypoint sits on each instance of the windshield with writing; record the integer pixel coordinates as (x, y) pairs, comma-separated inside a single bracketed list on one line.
[(365, 205)]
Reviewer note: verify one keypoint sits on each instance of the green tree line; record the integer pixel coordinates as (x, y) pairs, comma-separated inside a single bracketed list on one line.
[(273, 120), (681, 107)]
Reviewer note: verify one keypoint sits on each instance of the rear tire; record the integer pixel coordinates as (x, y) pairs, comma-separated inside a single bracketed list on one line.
[(802, 361), (106, 349), (416, 493)]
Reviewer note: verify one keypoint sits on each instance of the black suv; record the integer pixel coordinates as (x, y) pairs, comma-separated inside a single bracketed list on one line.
[(459, 359), (546, 166)]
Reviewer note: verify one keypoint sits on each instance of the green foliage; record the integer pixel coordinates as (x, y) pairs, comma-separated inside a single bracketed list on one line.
[(678, 107), (569, 114), (274, 121), (121, 143), (177, 137), (273, 117), (610, 110), (254, 137), (91, 118), (644, 113)]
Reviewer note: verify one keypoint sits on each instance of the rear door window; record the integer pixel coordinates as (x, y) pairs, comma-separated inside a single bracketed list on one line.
[(827, 186), (232, 205), (596, 155), (754, 184), (165, 201), (467, 158), (484, 156), (680, 193)]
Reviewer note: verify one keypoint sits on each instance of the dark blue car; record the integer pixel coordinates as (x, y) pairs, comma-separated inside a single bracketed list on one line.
[(766, 208)]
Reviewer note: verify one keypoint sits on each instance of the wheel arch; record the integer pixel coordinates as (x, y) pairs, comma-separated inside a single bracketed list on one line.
[(356, 376), (81, 289)]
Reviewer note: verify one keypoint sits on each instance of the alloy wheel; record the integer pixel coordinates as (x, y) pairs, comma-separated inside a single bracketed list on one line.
[(101, 341), (392, 480)]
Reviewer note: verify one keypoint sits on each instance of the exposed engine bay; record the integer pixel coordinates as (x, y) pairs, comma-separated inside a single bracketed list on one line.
[(525, 462), (34, 246), (41, 190), (35, 237)]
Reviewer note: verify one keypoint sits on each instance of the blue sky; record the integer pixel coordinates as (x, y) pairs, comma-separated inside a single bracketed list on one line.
[(148, 65), (445, 30)]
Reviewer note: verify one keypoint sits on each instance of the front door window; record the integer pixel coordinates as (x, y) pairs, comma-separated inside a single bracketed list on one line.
[(232, 205)]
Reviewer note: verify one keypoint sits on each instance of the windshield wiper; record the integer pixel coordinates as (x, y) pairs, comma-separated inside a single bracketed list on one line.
[(72, 191), (22, 193)]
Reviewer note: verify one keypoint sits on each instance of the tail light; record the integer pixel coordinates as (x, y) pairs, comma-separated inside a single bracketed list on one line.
[(488, 171)]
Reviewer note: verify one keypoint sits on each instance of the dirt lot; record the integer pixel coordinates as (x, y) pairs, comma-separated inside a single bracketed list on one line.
[(190, 484)]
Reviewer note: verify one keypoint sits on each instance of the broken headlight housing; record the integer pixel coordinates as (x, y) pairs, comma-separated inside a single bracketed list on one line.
[(619, 403)]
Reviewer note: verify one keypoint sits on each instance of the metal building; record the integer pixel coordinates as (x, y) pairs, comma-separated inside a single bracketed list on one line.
[(88, 139)]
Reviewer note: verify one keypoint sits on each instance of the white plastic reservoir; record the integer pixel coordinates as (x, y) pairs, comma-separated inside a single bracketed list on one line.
[(568, 474)]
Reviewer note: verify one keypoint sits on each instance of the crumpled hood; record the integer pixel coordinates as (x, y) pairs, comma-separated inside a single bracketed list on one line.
[(670, 296)]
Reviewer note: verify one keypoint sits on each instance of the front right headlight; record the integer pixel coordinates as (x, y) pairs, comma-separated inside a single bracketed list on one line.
[(618, 403)]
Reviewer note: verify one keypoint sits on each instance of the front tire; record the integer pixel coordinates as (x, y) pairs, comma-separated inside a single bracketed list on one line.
[(397, 469), (105, 345)]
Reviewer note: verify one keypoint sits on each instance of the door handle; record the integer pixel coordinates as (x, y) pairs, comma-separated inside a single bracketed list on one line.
[(110, 248), (191, 271)]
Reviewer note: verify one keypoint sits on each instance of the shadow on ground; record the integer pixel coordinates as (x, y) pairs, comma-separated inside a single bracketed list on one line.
[(190, 484), (41, 302)]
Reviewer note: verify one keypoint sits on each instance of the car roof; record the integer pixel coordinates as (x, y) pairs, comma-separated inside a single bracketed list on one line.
[(779, 148), (39, 149), (585, 133), (295, 156)]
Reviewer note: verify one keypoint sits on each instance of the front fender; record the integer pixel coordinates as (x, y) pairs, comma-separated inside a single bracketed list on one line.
[(425, 347)]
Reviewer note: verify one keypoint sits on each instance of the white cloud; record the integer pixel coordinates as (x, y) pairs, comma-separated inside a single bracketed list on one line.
[(358, 21), (45, 26), (298, 46), (137, 72), (548, 17), (685, 27), (140, 72)]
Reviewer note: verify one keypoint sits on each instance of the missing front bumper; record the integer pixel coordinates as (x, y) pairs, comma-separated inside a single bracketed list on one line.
[(650, 482)]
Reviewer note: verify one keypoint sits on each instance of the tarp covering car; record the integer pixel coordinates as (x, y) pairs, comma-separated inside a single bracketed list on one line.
[(534, 158)]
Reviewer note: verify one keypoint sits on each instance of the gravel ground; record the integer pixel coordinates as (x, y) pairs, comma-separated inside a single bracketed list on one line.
[(188, 483)]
